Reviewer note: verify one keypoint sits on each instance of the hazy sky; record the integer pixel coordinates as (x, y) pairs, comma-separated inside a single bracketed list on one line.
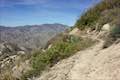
[(30, 12)]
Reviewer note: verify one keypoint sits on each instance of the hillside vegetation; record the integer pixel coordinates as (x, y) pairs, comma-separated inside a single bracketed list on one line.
[(106, 11)]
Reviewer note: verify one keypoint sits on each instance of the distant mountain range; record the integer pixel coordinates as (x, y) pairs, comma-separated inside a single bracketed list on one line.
[(30, 36)]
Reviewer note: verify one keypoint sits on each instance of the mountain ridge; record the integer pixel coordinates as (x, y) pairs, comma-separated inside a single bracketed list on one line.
[(21, 34)]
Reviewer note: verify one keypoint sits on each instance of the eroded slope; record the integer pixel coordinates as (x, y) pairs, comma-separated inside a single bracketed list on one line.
[(94, 63)]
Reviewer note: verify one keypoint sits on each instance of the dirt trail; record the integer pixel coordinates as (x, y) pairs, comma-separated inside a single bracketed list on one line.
[(90, 64)]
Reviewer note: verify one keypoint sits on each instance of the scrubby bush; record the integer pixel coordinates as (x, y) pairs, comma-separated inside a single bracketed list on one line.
[(115, 32), (7, 75), (87, 19)]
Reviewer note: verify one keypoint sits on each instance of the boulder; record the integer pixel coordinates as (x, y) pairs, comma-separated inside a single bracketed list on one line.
[(106, 27), (75, 31), (20, 52)]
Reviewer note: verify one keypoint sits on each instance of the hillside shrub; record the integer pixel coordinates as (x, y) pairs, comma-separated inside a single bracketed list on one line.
[(115, 32), (7, 75)]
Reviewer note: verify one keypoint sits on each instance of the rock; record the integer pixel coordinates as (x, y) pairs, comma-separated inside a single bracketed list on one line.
[(13, 57), (49, 46), (20, 52), (106, 27), (0, 52), (75, 31), (22, 48)]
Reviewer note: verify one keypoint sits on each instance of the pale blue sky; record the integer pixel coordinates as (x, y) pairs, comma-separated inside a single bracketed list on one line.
[(35, 12)]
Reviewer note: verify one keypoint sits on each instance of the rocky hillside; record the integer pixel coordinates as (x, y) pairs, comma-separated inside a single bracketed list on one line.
[(8, 49), (31, 37), (94, 63)]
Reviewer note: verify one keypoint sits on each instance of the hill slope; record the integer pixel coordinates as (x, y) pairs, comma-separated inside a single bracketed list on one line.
[(107, 11), (91, 64)]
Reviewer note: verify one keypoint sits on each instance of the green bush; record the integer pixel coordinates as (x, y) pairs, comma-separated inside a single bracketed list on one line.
[(115, 32)]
